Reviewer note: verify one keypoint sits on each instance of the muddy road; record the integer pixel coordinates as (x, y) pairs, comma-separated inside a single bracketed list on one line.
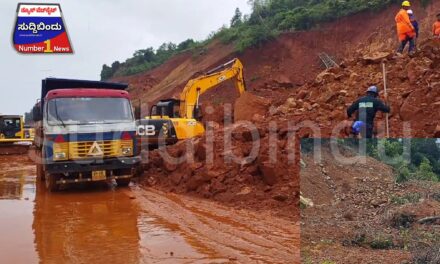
[(104, 224)]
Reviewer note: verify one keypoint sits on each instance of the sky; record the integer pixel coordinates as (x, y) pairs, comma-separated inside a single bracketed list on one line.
[(102, 31)]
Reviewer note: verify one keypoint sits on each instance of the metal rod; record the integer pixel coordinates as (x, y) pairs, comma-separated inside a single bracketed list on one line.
[(386, 98)]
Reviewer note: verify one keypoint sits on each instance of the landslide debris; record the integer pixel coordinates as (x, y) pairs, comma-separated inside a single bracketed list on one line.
[(240, 164), (413, 92)]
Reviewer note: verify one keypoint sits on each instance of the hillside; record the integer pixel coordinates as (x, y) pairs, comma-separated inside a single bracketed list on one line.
[(288, 66), (413, 93), (361, 215), (287, 72), (267, 20)]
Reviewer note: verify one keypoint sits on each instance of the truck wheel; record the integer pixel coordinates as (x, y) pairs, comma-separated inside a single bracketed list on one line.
[(51, 182), (123, 182), (40, 172)]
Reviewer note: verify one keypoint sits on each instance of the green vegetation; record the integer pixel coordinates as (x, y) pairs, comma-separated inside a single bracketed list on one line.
[(328, 262), (271, 17), (421, 161), (146, 59), (374, 241), (382, 242), (412, 159), (407, 198), (267, 20)]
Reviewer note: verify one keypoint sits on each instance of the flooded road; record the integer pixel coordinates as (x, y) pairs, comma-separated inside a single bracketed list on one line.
[(104, 224)]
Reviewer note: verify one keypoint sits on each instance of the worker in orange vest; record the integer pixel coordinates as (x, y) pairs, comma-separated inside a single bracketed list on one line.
[(436, 27), (405, 29)]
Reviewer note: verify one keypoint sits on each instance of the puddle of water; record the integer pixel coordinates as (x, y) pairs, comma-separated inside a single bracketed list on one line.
[(103, 224), (17, 192), (95, 224)]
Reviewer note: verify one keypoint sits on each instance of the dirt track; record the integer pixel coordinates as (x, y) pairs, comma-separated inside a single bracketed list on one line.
[(131, 225)]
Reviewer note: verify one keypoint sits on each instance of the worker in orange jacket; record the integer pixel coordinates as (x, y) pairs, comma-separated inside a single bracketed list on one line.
[(436, 27), (405, 29)]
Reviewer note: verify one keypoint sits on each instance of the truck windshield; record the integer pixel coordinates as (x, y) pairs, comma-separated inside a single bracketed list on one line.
[(87, 110)]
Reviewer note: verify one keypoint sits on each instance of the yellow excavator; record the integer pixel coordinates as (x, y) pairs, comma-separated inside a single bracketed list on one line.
[(172, 120), (14, 137)]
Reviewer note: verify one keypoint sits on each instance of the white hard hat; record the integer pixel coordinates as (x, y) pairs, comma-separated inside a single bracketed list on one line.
[(410, 12)]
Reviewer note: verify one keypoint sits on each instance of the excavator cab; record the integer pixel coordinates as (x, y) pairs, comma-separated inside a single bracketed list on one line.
[(168, 107), (171, 108)]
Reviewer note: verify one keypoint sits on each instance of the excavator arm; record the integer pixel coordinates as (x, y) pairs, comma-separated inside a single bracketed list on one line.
[(194, 88)]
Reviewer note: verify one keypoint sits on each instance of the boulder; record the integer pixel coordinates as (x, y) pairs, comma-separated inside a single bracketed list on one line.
[(409, 112), (284, 82), (413, 72), (307, 106), (247, 105), (269, 173), (290, 102), (376, 57), (324, 76), (302, 94)]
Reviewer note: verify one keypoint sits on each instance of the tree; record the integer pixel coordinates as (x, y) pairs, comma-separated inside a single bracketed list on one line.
[(236, 19), (184, 45), (106, 72), (145, 54), (115, 66), (149, 54), (425, 172)]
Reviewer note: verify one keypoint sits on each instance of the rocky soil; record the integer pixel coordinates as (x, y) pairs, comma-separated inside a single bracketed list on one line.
[(413, 93), (295, 92), (251, 171), (360, 215)]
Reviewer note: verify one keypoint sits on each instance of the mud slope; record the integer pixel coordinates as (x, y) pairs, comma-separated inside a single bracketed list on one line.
[(361, 216), (288, 61), (413, 93)]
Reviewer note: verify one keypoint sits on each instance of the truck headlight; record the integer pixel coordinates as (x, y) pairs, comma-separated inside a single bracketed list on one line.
[(126, 147), (60, 151), (60, 156), (126, 151)]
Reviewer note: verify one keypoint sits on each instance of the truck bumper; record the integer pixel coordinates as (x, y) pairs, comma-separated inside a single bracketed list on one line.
[(85, 166)]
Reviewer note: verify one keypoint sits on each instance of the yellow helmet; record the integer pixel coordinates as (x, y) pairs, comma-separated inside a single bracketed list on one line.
[(406, 3)]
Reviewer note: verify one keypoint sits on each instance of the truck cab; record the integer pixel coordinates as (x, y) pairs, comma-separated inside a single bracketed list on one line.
[(85, 131)]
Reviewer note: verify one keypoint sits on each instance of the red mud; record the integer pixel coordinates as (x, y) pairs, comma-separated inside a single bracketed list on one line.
[(284, 71), (130, 225), (262, 183)]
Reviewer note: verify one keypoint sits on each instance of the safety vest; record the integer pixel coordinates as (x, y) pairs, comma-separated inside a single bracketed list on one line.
[(404, 27), (436, 28)]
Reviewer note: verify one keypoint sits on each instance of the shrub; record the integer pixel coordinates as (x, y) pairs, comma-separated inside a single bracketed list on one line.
[(382, 242), (425, 172)]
